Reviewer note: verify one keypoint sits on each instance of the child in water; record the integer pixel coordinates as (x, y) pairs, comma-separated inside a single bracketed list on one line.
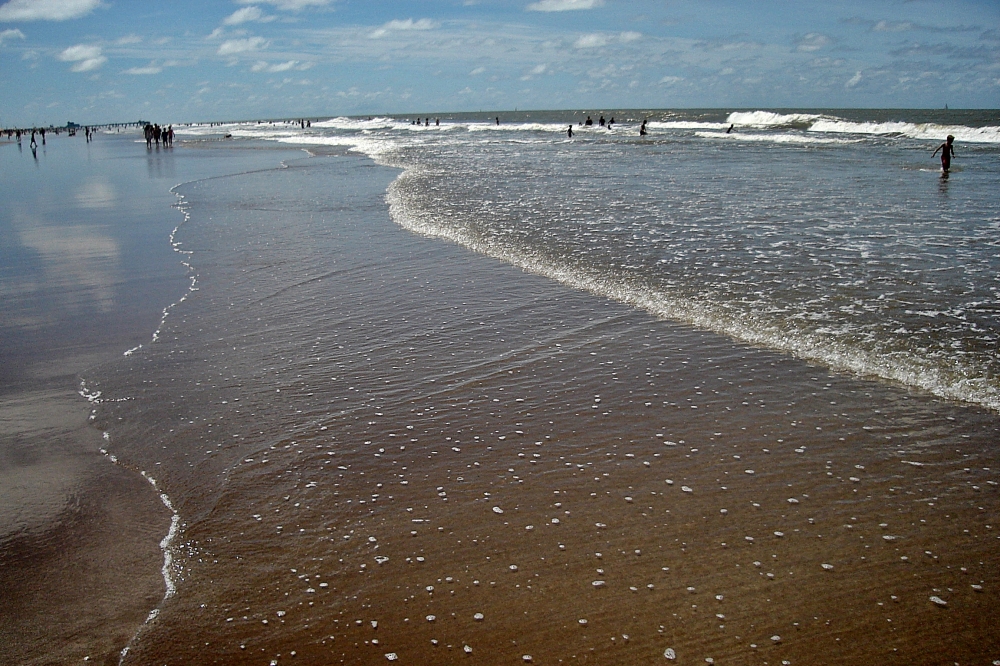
[(947, 152)]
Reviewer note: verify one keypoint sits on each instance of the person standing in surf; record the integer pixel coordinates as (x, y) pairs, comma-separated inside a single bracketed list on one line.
[(947, 152)]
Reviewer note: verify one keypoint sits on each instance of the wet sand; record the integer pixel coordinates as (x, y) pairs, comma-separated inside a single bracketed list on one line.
[(385, 447), (87, 271)]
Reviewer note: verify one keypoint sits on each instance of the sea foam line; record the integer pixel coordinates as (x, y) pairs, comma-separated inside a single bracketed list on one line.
[(166, 547)]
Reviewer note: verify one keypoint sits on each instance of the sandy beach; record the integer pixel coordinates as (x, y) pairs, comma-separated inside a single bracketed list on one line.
[(382, 446)]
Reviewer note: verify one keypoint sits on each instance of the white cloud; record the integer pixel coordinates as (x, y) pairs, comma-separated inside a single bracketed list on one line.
[(591, 41), (10, 34), (246, 15), (855, 80), (408, 24), (234, 46), (262, 66), (46, 10), (893, 26), (86, 56), (813, 42), (129, 39), (477, 71), (288, 5), (630, 36), (671, 80), (562, 5), (140, 71)]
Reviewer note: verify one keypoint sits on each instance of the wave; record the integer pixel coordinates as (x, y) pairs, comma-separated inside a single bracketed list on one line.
[(685, 125), (771, 119), (953, 381), (929, 131), (773, 138)]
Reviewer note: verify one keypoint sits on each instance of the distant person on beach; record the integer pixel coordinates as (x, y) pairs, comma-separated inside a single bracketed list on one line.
[(947, 152), (601, 121), (498, 120), (588, 122), (569, 132), (642, 129), (33, 142), (147, 131)]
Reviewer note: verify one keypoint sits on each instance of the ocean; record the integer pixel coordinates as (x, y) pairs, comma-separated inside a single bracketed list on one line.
[(475, 390), (826, 234)]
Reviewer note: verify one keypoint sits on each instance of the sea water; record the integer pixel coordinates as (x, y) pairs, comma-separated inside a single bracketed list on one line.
[(827, 234), (723, 396)]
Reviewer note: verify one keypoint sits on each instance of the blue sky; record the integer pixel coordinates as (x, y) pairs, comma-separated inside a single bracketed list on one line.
[(93, 61)]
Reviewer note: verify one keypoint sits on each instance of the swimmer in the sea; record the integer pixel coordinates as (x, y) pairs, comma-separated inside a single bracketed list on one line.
[(947, 152)]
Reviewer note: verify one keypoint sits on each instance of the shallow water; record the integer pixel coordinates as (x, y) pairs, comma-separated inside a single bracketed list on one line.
[(829, 235), (371, 436)]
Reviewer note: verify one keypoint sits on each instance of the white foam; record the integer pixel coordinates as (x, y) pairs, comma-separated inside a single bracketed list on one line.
[(770, 119), (684, 125), (928, 131), (773, 138)]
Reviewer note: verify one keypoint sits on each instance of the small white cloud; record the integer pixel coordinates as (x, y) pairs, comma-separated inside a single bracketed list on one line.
[(671, 80), (630, 36), (89, 64), (477, 71), (244, 15), (80, 52), (288, 5), (86, 56), (262, 66), (813, 42), (855, 80), (143, 71), (8, 35), (408, 24), (591, 41), (129, 39), (893, 26), (46, 10), (234, 46), (563, 5)]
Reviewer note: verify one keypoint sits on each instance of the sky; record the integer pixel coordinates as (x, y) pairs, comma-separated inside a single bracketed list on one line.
[(175, 61)]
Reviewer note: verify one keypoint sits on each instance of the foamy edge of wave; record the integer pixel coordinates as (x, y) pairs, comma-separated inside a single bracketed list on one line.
[(928, 131), (774, 138), (807, 346)]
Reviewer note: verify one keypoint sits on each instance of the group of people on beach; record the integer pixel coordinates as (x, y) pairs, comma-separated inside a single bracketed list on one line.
[(155, 133)]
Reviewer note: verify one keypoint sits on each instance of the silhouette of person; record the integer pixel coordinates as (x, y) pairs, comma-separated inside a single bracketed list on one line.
[(588, 122), (569, 132), (947, 152)]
